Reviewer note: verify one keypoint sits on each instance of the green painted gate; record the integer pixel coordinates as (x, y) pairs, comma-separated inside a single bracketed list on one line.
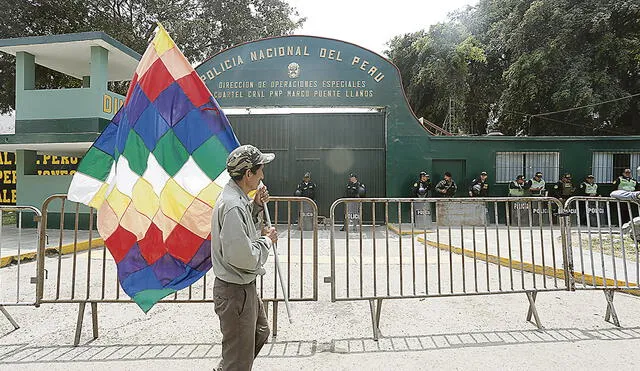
[(329, 145)]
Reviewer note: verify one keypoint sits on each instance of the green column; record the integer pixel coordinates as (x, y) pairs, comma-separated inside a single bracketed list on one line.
[(25, 71), (25, 79), (99, 62)]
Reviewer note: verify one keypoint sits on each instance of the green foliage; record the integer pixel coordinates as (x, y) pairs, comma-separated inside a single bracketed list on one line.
[(200, 27), (504, 62)]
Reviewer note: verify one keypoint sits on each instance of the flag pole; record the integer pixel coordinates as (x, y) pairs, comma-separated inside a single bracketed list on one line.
[(278, 270)]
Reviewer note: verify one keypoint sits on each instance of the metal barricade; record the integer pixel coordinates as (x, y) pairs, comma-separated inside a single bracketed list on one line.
[(603, 240), (17, 245), (473, 246), (84, 272)]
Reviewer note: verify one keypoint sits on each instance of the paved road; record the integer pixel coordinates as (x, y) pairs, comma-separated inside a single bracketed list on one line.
[(477, 332)]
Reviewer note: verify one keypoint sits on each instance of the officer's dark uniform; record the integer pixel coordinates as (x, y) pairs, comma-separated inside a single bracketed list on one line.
[(449, 188), (563, 190), (421, 188), (479, 187), (306, 189), (353, 190)]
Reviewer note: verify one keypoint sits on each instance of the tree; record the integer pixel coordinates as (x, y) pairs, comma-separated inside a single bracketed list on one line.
[(200, 27), (542, 59)]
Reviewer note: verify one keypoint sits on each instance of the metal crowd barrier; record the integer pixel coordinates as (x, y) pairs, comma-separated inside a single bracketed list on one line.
[(17, 244), (604, 246), (84, 272), (471, 246)]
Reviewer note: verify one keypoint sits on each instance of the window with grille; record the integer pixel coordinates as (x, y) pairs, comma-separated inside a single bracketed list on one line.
[(511, 164), (607, 166)]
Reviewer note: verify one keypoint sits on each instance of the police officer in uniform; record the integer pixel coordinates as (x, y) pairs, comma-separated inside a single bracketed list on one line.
[(624, 183), (517, 187), (446, 187), (588, 208), (479, 186), (536, 185), (354, 189), (422, 188), (564, 188), (306, 188), (588, 187)]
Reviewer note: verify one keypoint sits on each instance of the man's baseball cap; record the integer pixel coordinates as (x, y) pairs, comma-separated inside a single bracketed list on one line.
[(245, 157)]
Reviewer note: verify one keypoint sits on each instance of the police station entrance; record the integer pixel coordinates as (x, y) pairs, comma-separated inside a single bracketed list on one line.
[(322, 106), (328, 145)]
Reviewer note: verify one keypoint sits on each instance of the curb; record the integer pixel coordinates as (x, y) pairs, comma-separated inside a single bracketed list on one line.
[(395, 229), (62, 250), (595, 281)]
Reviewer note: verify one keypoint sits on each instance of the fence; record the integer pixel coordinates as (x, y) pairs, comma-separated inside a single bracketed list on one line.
[(391, 248), (474, 246), (85, 273), (17, 245), (603, 241)]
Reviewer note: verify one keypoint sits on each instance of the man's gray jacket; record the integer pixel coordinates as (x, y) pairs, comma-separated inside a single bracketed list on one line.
[(238, 252)]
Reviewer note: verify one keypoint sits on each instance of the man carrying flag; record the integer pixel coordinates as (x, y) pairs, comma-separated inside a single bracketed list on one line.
[(238, 254)]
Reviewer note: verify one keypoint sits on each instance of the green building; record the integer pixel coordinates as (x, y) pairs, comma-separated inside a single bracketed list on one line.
[(61, 122), (345, 112)]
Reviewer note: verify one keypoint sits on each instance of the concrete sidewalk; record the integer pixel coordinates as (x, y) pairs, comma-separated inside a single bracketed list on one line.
[(19, 244), (475, 332)]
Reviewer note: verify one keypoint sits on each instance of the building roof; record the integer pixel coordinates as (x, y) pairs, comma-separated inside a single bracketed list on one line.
[(71, 53)]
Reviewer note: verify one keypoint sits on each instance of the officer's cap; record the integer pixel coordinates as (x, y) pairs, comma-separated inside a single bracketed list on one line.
[(423, 173), (520, 177), (483, 173), (447, 174), (567, 175), (353, 175), (590, 176), (307, 175), (245, 157), (538, 173)]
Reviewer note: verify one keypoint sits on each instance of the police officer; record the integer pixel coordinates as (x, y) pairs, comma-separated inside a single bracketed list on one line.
[(446, 187), (588, 208), (354, 189), (625, 183), (479, 186), (306, 188), (517, 187), (564, 188), (588, 187), (422, 188), (536, 185)]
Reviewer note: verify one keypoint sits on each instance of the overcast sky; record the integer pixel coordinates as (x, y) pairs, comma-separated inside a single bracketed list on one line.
[(371, 24)]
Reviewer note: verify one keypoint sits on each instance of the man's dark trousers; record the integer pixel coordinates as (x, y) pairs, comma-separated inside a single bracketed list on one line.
[(243, 322)]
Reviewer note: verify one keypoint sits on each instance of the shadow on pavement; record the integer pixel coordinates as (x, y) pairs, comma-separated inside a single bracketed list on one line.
[(24, 354), (478, 339)]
